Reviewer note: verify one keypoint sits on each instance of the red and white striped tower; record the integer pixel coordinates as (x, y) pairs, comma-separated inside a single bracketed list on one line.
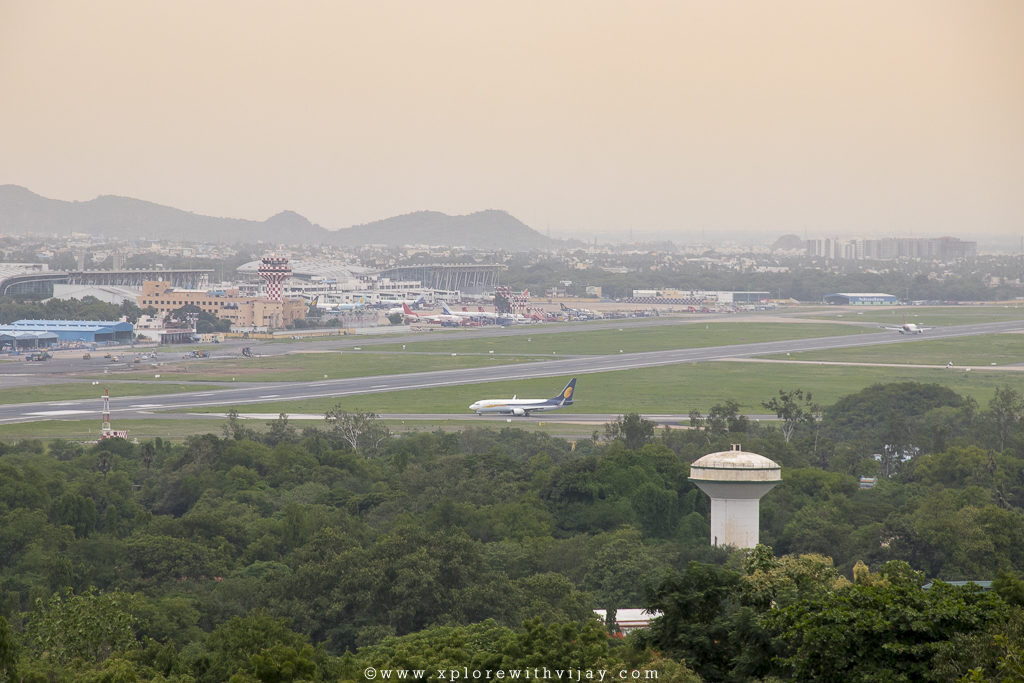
[(105, 431), (275, 270), (521, 302), (105, 417)]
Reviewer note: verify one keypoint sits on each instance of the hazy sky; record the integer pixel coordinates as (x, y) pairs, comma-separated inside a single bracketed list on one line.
[(576, 116)]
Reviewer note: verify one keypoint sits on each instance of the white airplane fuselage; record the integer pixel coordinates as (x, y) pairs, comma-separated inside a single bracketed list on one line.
[(907, 328), (522, 407), (468, 315)]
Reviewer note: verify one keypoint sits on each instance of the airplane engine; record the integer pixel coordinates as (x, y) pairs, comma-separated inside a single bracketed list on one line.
[(519, 412)]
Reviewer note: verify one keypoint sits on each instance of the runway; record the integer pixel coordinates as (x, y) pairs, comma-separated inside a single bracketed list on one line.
[(178, 406)]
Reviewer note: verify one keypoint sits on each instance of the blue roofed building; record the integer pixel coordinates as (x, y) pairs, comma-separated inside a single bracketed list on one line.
[(17, 340), (88, 331)]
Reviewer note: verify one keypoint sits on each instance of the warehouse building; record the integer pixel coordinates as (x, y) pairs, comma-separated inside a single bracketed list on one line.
[(87, 331), (17, 340)]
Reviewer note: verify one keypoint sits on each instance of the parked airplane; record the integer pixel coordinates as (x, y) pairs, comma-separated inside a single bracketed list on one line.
[(469, 315), (522, 407), (315, 304), (907, 328), (440, 318), (399, 308), (580, 313)]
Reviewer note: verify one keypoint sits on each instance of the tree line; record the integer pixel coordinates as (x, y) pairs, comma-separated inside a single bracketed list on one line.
[(988, 278), (268, 552)]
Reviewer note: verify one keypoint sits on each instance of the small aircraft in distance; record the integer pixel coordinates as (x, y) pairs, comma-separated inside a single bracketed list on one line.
[(907, 328), (522, 407)]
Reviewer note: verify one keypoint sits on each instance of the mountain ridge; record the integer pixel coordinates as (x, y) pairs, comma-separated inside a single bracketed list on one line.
[(113, 216)]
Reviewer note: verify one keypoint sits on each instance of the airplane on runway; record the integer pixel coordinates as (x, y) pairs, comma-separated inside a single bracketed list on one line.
[(907, 328), (522, 407)]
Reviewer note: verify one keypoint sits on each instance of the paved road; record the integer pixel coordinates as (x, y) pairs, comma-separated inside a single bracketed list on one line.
[(176, 406)]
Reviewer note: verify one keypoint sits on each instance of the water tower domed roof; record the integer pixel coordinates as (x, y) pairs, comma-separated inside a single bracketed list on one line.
[(735, 465)]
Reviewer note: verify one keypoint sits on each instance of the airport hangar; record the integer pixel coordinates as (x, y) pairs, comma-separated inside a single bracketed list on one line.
[(17, 340), (861, 299), (87, 331)]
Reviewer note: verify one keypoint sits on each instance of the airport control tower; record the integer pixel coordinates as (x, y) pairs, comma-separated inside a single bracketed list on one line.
[(275, 270), (735, 480)]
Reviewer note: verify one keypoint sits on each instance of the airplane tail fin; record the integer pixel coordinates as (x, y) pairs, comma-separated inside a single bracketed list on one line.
[(445, 309), (565, 397), (562, 306), (406, 309), (315, 301)]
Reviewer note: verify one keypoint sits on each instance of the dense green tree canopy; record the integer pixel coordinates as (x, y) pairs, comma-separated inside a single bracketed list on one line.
[(277, 553)]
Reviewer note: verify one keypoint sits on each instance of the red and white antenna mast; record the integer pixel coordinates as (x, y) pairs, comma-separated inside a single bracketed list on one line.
[(105, 426), (105, 431)]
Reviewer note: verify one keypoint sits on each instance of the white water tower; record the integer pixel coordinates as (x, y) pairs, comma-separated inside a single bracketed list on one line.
[(735, 481)]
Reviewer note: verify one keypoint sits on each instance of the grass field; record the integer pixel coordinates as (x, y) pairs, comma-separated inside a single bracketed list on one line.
[(453, 353), (179, 430), (998, 349), (88, 430), (928, 316), (671, 389), (656, 338), (76, 390), (301, 367)]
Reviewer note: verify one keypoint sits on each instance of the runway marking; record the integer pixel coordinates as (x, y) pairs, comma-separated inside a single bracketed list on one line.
[(263, 416), (271, 396), (147, 405), (44, 413)]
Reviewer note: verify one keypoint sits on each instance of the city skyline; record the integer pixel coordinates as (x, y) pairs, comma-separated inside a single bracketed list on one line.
[(583, 119)]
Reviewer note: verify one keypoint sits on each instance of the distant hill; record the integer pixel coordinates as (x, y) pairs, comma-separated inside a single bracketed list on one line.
[(789, 243), (24, 212), (480, 230)]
